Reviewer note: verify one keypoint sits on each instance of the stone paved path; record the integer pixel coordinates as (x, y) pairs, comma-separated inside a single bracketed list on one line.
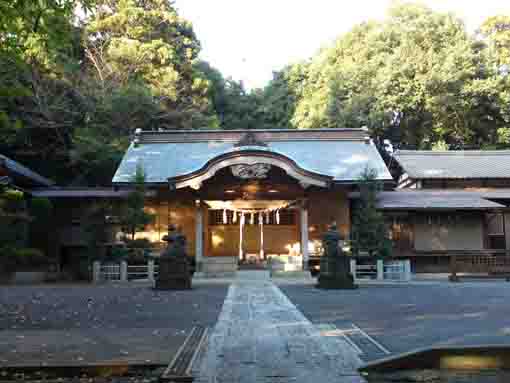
[(262, 337)]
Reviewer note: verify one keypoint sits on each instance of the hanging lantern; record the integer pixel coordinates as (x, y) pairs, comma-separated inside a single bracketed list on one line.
[(225, 218), (234, 217), (277, 217), (267, 217), (242, 219), (252, 219), (261, 219)]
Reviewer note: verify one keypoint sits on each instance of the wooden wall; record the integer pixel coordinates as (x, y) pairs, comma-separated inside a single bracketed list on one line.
[(455, 231), (325, 207)]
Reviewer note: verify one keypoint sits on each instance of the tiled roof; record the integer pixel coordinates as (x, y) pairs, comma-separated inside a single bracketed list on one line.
[(438, 200), (339, 154), (479, 164), (18, 170), (79, 193)]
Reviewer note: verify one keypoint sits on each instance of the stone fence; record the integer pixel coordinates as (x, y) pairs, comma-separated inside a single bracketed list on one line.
[(381, 270), (123, 272)]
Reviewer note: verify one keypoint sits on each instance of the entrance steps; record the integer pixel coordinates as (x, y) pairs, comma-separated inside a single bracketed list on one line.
[(253, 275), (217, 267)]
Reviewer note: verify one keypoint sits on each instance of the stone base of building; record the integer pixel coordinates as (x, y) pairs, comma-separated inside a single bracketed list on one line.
[(298, 274), (217, 267), (216, 275)]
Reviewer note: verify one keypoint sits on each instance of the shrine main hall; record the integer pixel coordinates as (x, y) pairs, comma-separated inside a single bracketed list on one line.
[(241, 197)]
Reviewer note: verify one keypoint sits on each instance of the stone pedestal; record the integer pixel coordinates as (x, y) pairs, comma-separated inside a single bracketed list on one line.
[(334, 274), (174, 274)]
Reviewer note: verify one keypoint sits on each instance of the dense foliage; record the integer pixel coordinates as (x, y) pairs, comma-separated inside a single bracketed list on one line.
[(77, 77), (16, 222), (418, 78)]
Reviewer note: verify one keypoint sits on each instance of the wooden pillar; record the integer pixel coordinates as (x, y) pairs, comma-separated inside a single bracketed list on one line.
[(506, 226), (241, 226), (199, 235), (304, 234), (261, 224)]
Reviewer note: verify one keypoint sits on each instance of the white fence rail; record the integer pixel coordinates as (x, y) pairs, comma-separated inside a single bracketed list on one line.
[(110, 272), (380, 270), (122, 272)]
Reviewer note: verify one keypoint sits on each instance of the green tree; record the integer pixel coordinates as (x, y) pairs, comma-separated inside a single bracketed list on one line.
[(39, 30), (73, 91), (135, 218), (146, 41), (417, 77), (282, 94), (369, 232), (495, 34)]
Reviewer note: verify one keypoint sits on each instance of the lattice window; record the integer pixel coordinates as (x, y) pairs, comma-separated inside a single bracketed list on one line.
[(495, 225)]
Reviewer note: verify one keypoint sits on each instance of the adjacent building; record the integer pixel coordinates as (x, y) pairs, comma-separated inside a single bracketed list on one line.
[(448, 202)]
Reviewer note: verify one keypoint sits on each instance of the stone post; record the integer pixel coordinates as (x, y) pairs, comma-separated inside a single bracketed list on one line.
[(407, 270), (96, 271), (507, 232), (199, 236), (353, 268), (304, 235), (150, 270), (380, 270), (123, 271)]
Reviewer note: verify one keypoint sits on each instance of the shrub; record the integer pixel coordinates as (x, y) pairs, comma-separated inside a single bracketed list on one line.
[(137, 257), (140, 243), (30, 257), (13, 259), (12, 201)]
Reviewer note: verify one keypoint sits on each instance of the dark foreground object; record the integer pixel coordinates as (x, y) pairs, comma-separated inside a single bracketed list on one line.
[(334, 275), (174, 274), (444, 365), (174, 270), (90, 373), (334, 270)]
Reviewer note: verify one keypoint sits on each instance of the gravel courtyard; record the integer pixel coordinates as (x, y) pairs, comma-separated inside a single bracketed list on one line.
[(55, 325), (87, 324), (407, 317)]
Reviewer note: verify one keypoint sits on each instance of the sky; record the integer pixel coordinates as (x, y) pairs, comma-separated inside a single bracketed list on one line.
[(249, 39)]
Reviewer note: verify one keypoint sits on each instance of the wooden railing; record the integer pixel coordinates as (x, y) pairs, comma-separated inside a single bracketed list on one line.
[(484, 266)]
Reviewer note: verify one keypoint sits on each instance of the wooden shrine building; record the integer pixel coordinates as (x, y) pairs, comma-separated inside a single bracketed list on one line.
[(241, 196)]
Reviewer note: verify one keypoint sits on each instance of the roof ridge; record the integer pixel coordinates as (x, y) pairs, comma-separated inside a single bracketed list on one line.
[(452, 152)]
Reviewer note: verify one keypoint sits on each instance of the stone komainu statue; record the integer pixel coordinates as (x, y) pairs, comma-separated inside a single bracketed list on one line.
[(334, 272), (330, 242), (174, 271), (176, 243)]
